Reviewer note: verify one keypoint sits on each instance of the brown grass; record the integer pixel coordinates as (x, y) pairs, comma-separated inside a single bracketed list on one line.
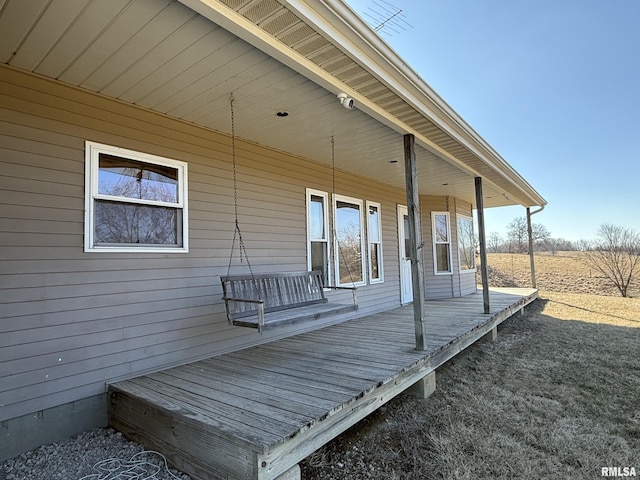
[(556, 396), (563, 272)]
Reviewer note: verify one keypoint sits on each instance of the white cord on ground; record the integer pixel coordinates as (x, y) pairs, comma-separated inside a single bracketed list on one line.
[(133, 469)]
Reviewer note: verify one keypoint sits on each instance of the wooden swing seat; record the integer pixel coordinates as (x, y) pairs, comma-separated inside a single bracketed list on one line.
[(269, 300)]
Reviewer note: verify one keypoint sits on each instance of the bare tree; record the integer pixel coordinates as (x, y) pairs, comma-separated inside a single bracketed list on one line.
[(616, 255), (518, 234), (555, 245), (494, 242), (122, 221), (349, 253), (466, 243)]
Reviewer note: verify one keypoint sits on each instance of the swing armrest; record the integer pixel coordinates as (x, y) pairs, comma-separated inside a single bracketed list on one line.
[(260, 304), (353, 291)]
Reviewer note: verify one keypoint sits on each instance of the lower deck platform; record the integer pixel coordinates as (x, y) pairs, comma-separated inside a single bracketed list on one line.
[(256, 413)]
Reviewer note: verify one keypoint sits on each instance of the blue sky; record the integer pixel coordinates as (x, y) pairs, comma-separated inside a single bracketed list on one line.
[(552, 85)]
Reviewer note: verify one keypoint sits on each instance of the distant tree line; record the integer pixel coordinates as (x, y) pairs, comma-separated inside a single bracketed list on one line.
[(615, 252), (517, 239)]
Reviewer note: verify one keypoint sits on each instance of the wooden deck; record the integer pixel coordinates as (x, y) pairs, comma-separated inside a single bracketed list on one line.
[(256, 413)]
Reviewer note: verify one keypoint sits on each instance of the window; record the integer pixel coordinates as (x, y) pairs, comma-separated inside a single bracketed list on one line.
[(349, 247), (134, 201), (351, 250), (466, 243), (374, 229), (318, 232), (441, 242)]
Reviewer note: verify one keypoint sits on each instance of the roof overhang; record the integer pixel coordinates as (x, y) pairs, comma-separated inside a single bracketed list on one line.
[(294, 55)]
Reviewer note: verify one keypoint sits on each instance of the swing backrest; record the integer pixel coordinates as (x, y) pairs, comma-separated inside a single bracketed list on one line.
[(278, 291)]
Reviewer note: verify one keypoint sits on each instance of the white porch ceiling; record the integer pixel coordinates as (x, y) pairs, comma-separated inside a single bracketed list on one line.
[(161, 55)]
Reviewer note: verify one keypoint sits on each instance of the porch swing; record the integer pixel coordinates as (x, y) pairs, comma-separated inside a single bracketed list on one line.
[(270, 300)]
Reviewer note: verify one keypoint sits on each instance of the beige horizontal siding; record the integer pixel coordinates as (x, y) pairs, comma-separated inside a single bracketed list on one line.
[(468, 283), (70, 320), (436, 286), (447, 285)]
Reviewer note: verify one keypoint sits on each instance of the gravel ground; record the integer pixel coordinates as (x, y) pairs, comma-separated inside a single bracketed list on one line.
[(78, 458)]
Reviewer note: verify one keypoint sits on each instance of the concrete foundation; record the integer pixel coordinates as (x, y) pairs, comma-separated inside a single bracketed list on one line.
[(21, 434)]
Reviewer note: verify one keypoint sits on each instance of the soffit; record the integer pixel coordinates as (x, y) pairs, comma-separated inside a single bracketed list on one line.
[(277, 19), (161, 55)]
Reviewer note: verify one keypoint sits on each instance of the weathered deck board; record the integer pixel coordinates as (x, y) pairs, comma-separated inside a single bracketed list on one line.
[(264, 409), (228, 419), (284, 414), (264, 385), (283, 376)]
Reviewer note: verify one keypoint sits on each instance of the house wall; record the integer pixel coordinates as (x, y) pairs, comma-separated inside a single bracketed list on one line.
[(456, 283), (72, 321)]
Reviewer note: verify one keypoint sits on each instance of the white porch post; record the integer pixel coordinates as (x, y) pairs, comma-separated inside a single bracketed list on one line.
[(484, 271), (415, 247)]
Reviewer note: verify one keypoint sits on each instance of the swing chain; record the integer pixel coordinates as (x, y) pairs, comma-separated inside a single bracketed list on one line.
[(237, 234), (233, 158)]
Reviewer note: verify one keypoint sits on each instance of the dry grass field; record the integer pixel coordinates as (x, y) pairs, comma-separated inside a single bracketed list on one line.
[(557, 395), (563, 272)]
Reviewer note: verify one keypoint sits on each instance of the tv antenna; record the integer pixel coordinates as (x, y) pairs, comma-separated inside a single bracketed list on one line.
[(386, 19)]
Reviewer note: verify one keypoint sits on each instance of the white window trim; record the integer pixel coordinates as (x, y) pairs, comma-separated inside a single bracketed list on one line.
[(369, 242), (92, 154), (475, 267), (327, 230), (360, 203), (433, 234)]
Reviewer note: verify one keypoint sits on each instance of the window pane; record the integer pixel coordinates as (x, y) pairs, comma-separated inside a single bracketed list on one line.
[(319, 259), (375, 242), (316, 218), (119, 223), (442, 232), (349, 236), (374, 224), (466, 243), (374, 249), (407, 238), (442, 258), (132, 179)]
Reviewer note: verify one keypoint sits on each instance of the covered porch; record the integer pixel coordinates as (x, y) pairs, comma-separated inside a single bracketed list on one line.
[(257, 412)]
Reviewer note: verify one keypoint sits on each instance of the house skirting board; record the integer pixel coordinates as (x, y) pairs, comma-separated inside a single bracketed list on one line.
[(18, 435)]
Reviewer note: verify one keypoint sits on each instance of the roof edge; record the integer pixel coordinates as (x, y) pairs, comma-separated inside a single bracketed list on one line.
[(420, 95)]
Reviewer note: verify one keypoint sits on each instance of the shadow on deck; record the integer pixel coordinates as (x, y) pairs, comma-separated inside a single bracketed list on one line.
[(256, 413)]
